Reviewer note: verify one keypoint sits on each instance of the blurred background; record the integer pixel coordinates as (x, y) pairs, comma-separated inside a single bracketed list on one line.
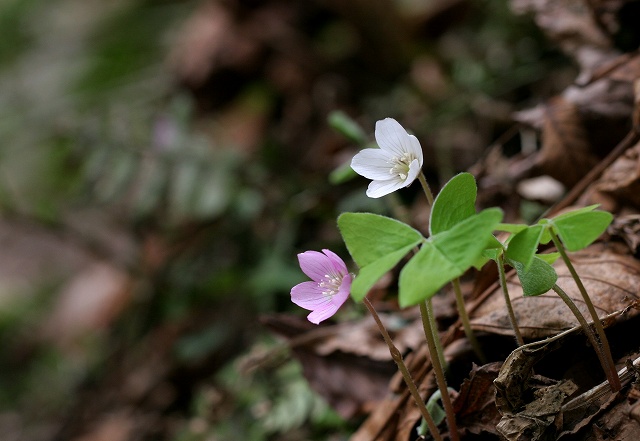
[(162, 163)]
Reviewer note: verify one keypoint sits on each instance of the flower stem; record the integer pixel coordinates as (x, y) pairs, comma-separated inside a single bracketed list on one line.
[(425, 188), (466, 324), (607, 363), (429, 322), (507, 299), (406, 375), (429, 332), (614, 381)]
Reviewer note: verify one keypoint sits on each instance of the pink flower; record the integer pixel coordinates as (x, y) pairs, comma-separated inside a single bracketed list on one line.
[(329, 286)]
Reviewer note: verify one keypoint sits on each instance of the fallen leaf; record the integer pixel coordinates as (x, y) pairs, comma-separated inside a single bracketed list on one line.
[(610, 275), (475, 405)]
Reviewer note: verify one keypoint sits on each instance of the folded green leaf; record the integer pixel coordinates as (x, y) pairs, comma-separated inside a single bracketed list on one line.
[(550, 258), (539, 279), (510, 228), (455, 203), (446, 256), (372, 272), (370, 237), (523, 246), (582, 229)]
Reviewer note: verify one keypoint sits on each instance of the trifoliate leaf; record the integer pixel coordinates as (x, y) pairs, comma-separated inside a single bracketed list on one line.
[(446, 256)]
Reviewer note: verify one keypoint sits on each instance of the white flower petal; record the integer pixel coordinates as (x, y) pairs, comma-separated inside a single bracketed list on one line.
[(378, 189), (414, 171), (392, 137), (414, 149), (373, 163)]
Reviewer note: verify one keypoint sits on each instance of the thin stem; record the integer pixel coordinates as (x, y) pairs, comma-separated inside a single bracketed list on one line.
[(406, 375), (430, 317), (464, 318), (429, 330), (604, 343), (608, 367), (425, 188), (507, 299)]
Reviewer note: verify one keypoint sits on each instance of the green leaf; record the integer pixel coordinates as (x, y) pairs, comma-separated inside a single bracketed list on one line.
[(371, 273), (455, 203), (346, 126), (579, 230), (342, 173), (539, 279), (370, 237), (523, 246), (376, 243), (550, 258), (511, 228), (446, 256), (490, 252)]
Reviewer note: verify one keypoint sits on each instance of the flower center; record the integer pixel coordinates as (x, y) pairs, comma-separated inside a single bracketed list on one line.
[(401, 166), (330, 284)]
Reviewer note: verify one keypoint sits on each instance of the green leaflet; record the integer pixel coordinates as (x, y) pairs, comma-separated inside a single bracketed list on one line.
[(376, 243), (455, 203), (370, 236), (523, 246), (538, 279), (446, 256), (582, 229)]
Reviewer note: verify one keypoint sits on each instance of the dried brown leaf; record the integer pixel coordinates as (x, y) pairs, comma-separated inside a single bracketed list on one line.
[(475, 404), (610, 275), (622, 179), (566, 154)]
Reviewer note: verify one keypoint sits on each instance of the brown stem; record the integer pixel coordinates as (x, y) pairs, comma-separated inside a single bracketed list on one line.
[(608, 367), (604, 343), (429, 332), (406, 375), (507, 299)]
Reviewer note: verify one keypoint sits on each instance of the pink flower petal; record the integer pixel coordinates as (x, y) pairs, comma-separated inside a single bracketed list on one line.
[(338, 264), (309, 295), (316, 265), (323, 313)]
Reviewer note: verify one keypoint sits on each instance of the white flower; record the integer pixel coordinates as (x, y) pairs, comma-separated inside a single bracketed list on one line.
[(394, 165)]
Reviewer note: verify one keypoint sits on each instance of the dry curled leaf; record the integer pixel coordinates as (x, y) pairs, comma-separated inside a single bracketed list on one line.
[(475, 406), (610, 275)]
